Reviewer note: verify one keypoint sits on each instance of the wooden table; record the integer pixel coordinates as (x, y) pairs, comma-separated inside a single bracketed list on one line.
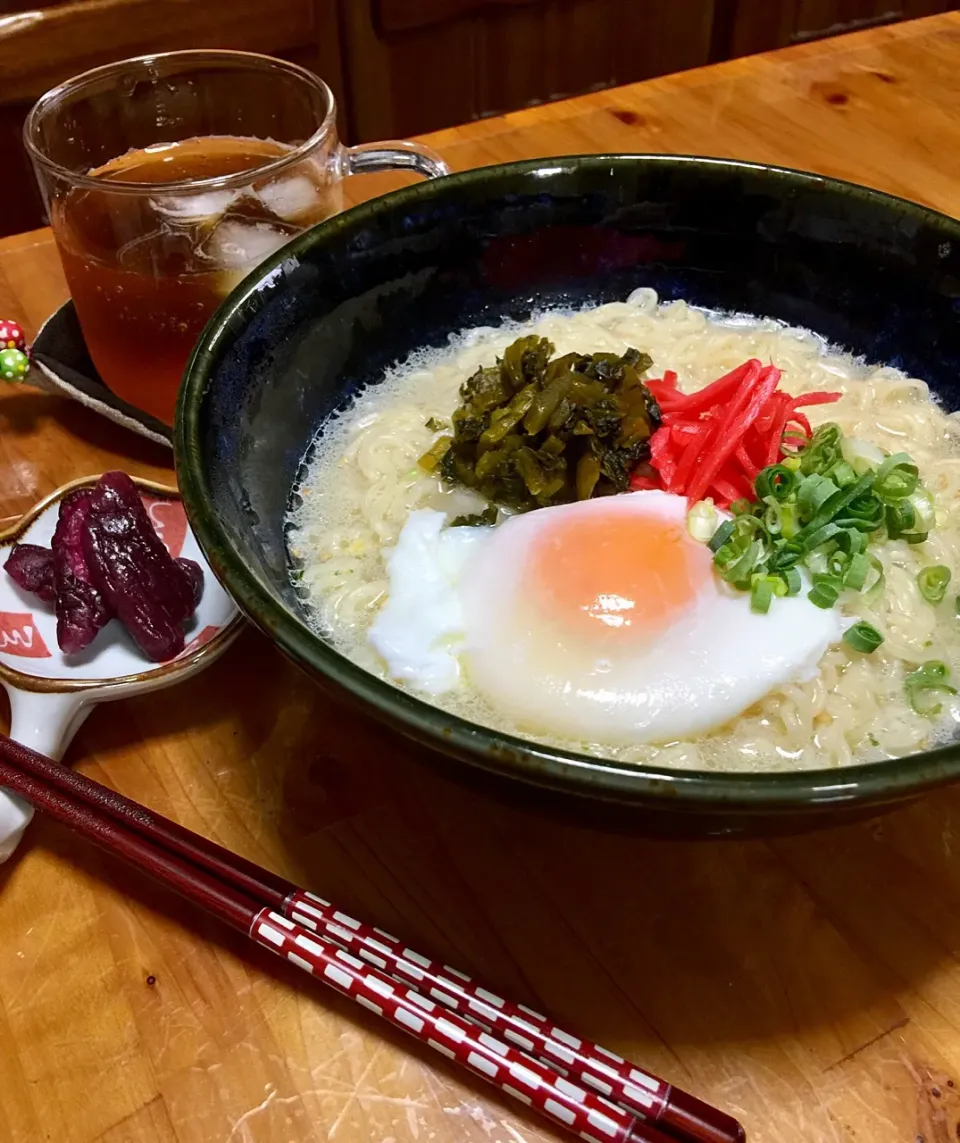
[(810, 985)]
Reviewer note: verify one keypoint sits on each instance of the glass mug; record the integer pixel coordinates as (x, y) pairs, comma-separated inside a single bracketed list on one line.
[(170, 177)]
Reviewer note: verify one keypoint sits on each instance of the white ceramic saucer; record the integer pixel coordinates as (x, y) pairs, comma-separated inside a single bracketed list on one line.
[(52, 693)]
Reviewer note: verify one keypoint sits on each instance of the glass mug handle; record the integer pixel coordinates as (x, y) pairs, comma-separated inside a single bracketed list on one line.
[(401, 155)]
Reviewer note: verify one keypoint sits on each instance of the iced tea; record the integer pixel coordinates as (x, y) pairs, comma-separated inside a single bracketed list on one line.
[(147, 271), (168, 178)]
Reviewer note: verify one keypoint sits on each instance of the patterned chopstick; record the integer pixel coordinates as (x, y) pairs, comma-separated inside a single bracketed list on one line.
[(529, 1080), (616, 1078), (244, 894)]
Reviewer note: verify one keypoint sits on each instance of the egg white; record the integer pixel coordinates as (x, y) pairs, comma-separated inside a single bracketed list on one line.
[(458, 613), (419, 631)]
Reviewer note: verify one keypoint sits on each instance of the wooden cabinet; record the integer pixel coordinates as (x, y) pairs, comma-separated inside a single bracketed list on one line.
[(746, 26), (401, 67), (415, 65)]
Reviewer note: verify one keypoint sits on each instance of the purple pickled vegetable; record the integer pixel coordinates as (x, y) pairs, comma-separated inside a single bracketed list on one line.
[(194, 574), (31, 567), (151, 594), (81, 608)]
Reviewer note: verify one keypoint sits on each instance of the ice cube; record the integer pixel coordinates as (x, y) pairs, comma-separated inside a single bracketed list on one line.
[(191, 208), (240, 245), (290, 199)]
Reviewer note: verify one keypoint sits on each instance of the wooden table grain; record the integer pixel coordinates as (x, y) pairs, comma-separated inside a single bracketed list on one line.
[(810, 985)]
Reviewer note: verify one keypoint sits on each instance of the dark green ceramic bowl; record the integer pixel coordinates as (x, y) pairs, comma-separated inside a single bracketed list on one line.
[(327, 314)]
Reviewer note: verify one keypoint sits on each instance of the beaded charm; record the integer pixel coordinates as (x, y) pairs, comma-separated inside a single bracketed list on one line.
[(14, 364), (12, 336)]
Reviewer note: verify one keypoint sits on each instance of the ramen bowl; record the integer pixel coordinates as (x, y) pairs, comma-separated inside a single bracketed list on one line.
[(874, 275)]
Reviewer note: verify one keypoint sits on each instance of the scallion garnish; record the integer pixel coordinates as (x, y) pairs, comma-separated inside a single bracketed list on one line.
[(720, 536), (775, 480), (842, 474), (863, 637), (825, 591), (896, 478), (762, 590), (791, 577), (875, 590), (923, 684), (933, 582), (818, 512), (856, 573), (702, 521), (823, 451)]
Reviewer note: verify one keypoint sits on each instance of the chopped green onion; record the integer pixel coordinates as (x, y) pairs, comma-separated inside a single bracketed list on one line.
[(823, 451), (825, 591), (813, 491), (920, 686), (786, 556), (851, 541), (896, 478), (921, 503), (791, 577), (721, 535), (863, 637), (842, 474), (818, 538), (762, 592), (702, 521), (738, 567), (775, 480), (837, 563), (910, 519), (857, 569), (789, 520), (865, 513), (772, 516), (860, 455), (820, 511), (817, 562), (899, 520), (760, 595), (933, 582), (835, 504)]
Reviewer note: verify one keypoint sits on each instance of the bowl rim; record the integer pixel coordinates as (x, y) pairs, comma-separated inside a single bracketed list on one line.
[(506, 755)]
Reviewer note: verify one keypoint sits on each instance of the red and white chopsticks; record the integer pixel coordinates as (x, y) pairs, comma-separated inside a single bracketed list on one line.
[(579, 1085)]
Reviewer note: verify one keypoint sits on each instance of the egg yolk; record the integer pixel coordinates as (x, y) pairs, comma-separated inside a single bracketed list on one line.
[(620, 574)]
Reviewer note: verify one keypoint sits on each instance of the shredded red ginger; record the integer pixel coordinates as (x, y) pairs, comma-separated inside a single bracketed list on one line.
[(715, 442)]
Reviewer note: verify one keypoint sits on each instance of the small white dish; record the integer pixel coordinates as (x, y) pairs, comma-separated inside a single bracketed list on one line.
[(52, 693)]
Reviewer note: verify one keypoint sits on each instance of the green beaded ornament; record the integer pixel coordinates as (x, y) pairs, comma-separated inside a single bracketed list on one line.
[(14, 364)]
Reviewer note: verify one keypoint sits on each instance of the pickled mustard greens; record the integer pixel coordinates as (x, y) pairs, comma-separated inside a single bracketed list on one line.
[(534, 430)]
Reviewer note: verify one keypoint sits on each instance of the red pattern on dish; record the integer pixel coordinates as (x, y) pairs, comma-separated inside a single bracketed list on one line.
[(170, 521), (201, 639), (20, 636)]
